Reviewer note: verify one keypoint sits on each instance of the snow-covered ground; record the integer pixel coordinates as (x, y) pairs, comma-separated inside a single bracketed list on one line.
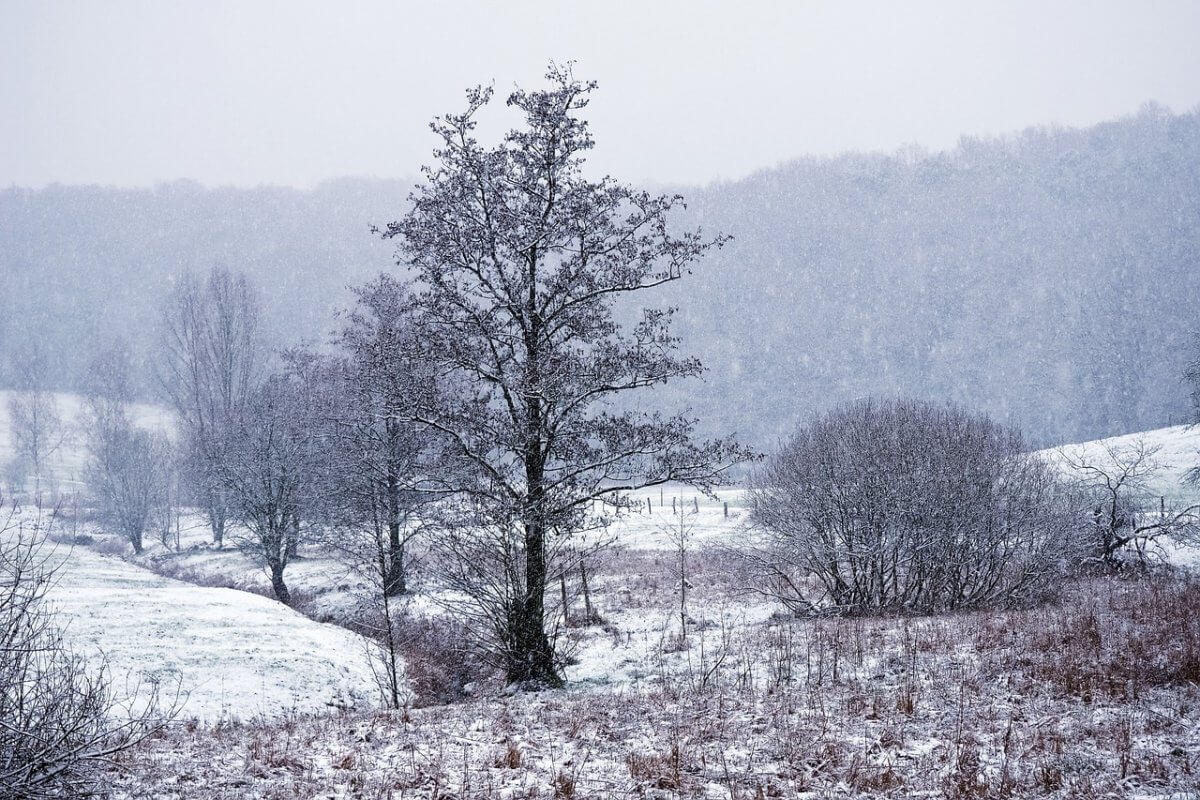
[(1172, 452), (235, 654), (232, 654)]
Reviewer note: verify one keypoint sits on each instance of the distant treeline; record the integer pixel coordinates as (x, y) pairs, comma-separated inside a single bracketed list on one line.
[(1050, 279)]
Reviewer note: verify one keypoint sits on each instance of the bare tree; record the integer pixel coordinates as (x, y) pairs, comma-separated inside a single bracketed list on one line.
[(37, 427), (166, 514), (270, 472), (212, 362), (681, 531), (519, 260), (1127, 515), (389, 467), (899, 505), (126, 465), (60, 724)]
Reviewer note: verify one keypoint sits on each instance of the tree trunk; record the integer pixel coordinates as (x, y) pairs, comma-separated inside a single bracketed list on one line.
[(292, 534), (531, 658), (587, 595), (562, 582), (395, 581), (217, 521), (277, 585), (392, 666)]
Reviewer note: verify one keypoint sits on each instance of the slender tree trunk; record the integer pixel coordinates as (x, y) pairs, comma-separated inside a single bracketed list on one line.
[(216, 519), (392, 669), (292, 534), (562, 582), (395, 581)]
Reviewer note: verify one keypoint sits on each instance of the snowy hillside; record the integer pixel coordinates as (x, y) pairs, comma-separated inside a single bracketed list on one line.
[(231, 654), (1172, 452)]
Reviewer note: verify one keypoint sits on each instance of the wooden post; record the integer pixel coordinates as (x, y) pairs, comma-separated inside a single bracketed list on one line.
[(672, 505), (562, 577), (727, 511), (696, 504), (587, 596)]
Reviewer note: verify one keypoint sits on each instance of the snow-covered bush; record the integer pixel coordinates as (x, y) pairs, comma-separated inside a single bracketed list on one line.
[(905, 506)]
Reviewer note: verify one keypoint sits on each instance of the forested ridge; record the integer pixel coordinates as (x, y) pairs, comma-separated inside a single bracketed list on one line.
[(1048, 278)]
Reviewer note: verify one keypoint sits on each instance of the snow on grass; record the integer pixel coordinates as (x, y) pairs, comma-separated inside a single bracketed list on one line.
[(235, 655), (961, 706), (1175, 451)]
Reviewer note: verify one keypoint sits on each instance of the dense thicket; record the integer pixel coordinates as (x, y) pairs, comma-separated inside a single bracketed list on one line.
[(1048, 278), (904, 506)]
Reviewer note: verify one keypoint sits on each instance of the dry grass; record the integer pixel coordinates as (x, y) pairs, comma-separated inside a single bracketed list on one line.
[(1094, 697)]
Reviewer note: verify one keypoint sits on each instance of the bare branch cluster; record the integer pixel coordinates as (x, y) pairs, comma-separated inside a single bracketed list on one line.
[(904, 506)]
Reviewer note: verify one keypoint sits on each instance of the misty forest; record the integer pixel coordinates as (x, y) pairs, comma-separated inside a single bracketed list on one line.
[(859, 474)]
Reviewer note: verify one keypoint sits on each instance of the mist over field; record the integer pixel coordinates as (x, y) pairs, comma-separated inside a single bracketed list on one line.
[(1047, 277)]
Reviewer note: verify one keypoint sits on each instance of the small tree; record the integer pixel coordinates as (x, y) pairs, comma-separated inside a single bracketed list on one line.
[(1116, 483), (681, 531), (271, 468), (519, 259), (126, 465), (904, 506), (36, 425)]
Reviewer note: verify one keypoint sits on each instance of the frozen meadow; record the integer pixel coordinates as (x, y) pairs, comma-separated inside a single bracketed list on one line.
[(747, 702)]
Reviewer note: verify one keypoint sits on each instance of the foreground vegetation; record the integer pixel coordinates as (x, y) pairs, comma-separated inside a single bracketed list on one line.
[(1093, 696)]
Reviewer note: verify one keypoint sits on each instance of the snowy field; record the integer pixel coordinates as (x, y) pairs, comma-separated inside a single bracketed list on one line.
[(748, 702), (226, 654)]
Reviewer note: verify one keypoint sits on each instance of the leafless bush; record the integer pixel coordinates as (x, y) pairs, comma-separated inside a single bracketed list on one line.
[(904, 506), (59, 721), (440, 658)]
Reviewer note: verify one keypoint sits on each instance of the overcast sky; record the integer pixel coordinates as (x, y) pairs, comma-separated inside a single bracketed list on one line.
[(248, 92)]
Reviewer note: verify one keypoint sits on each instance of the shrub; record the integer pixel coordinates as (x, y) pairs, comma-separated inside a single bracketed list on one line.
[(907, 506)]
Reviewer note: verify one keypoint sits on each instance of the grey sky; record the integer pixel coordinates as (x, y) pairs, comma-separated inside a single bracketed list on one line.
[(292, 93)]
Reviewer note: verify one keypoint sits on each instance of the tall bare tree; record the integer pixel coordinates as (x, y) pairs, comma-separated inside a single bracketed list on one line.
[(213, 360), (520, 260)]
